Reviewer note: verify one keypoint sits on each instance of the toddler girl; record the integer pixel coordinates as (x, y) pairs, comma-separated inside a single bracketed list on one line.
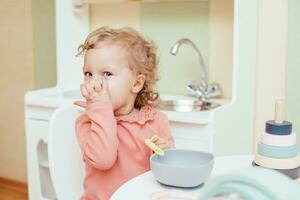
[(120, 70)]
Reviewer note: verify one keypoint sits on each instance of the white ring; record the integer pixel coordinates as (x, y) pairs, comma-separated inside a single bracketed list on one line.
[(278, 140), (277, 163)]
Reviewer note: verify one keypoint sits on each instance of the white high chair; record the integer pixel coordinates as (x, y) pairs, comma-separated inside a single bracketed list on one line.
[(65, 157)]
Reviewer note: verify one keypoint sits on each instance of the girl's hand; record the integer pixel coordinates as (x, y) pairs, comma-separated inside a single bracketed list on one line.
[(93, 90), (161, 142)]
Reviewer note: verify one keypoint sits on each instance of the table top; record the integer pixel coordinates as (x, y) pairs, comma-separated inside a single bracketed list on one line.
[(145, 185)]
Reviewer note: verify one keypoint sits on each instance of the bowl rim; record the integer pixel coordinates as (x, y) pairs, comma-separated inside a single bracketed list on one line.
[(174, 166)]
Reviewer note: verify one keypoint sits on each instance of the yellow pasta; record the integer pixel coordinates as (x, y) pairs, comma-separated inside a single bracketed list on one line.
[(154, 138), (154, 147)]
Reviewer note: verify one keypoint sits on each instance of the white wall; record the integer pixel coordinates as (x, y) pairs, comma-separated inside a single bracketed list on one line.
[(272, 35)]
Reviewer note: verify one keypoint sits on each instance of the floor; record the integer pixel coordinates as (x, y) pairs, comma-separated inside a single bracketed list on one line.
[(12, 191)]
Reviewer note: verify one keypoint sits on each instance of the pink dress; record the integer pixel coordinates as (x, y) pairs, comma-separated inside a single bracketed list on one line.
[(113, 148)]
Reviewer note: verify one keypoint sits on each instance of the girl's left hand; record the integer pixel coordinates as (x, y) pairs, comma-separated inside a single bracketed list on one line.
[(93, 90), (161, 142)]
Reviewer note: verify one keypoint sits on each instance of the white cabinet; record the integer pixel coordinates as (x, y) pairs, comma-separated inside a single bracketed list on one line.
[(192, 136), (39, 180)]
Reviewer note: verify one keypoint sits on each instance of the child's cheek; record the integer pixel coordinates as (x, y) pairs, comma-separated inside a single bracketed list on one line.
[(109, 86), (87, 79)]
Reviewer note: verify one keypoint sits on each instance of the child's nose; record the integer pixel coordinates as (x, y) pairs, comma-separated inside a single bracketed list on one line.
[(97, 76)]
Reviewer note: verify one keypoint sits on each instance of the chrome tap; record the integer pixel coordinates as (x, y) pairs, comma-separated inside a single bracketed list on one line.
[(174, 51), (204, 93), (202, 90)]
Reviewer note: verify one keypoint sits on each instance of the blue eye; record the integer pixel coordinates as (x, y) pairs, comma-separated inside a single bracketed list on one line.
[(88, 74), (107, 73)]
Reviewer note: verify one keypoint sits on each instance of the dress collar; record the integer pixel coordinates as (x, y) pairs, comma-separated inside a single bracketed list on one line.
[(145, 113)]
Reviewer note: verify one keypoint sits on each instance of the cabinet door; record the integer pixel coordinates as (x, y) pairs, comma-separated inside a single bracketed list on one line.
[(198, 145), (39, 180), (192, 136)]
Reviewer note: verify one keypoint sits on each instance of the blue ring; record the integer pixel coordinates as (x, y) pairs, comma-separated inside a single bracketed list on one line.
[(285, 128), (277, 152)]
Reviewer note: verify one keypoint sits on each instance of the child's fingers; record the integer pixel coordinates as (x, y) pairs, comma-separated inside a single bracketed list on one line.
[(162, 146), (104, 84), (154, 147), (98, 85), (81, 104), (105, 90), (88, 81), (84, 91), (90, 89), (162, 143), (97, 88)]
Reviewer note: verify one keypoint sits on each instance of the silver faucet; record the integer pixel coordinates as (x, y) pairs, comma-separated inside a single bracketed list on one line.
[(202, 90)]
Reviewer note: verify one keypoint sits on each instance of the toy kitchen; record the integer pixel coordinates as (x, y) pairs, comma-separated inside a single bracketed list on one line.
[(195, 68)]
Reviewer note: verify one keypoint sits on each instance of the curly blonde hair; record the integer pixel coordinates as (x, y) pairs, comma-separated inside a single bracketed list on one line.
[(143, 58)]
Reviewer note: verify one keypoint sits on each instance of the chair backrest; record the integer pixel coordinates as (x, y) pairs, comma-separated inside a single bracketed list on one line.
[(65, 158)]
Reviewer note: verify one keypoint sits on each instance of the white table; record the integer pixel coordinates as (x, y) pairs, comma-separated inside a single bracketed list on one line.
[(142, 186)]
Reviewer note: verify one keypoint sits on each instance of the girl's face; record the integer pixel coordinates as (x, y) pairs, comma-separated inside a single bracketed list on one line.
[(111, 61)]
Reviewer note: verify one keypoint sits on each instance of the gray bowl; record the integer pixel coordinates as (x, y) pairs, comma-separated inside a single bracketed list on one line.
[(182, 168)]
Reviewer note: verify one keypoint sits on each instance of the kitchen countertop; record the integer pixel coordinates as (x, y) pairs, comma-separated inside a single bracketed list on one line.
[(54, 98)]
